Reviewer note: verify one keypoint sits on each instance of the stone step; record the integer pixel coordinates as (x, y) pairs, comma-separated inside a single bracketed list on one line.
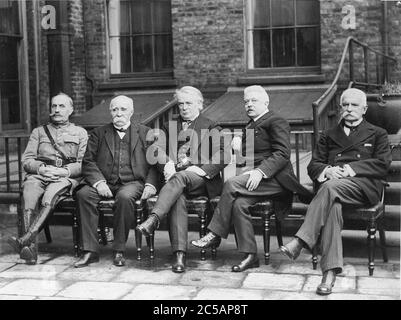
[(392, 217), (394, 173)]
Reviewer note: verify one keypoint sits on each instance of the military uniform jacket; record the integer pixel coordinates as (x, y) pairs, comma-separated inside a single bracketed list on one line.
[(98, 161), (367, 152), (72, 140)]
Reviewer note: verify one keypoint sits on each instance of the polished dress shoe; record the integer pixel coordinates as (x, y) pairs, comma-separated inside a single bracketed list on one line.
[(327, 284), (251, 261), (149, 225), (87, 258), (15, 243), (119, 259), (179, 265), (209, 240), (29, 254), (292, 249)]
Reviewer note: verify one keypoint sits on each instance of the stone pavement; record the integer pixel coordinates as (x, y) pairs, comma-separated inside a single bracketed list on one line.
[(54, 277)]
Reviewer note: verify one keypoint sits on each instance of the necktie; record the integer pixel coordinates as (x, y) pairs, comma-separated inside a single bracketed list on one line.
[(121, 129)]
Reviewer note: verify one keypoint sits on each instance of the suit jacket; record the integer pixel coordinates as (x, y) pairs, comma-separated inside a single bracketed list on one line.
[(272, 151), (98, 160), (214, 182), (367, 152)]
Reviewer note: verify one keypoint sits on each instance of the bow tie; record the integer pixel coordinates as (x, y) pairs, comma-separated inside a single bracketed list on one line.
[(352, 128), (121, 129)]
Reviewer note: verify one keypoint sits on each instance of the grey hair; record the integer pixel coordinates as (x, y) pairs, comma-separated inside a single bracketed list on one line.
[(360, 93), (191, 91), (259, 89), (66, 96), (122, 98)]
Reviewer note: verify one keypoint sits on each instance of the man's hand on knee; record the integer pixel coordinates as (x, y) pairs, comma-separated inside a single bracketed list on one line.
[(255, 176), (103, 190)]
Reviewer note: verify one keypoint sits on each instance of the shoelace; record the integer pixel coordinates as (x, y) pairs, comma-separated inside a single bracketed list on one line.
[(210, 236)]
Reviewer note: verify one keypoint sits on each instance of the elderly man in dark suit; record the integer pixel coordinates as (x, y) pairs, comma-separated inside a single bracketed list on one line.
[(114, 164), (269, 174), (350, 162), (198, 171)]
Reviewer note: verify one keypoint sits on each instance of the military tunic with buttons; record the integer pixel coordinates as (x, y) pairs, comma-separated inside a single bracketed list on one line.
[(72, 141)]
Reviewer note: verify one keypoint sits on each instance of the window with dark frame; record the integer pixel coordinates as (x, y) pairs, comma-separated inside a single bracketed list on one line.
[(283, 34), (10, 37), (140, 38)]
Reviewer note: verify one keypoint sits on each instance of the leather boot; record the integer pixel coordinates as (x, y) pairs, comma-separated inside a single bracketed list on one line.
[(207, 241), (33, 229), (29, 253), (179, 265), (250, 261), (149, 225)]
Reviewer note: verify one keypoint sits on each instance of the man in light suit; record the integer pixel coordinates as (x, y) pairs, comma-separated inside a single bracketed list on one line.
[(270, 174), (350, 162), (187, 177), (114, 164)]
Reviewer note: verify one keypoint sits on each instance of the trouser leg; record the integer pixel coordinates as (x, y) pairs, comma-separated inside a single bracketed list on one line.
[(178, 224), (124, 210), (324, 215), (87, 202)]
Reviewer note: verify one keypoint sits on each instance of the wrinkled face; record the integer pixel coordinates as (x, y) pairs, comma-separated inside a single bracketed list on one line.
[(188, 105), (255, 104), (352, 107), (61, 109), (121, 113)]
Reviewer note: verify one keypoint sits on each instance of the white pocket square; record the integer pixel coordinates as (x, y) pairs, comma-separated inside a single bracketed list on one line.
[(367, 145)]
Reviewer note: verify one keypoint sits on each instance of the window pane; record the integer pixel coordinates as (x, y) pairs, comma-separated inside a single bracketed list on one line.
[(9, 102), (124, 17), (8, 58), (308, 46), (142, 52), (260, 13), (283, 48), (162, 16), (126, 61), (308, 12), (141, 17), (282, 13), (9, 19), (163, 53), (261, 49)]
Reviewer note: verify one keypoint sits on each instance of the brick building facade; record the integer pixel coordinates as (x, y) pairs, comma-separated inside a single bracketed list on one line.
[(209, 48)]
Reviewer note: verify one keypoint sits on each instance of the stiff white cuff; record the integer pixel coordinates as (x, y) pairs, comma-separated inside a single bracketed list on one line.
[(152, 186), (97, 183), (263, 174)]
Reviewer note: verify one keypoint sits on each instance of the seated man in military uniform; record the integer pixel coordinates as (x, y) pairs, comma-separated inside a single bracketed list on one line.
[(52, 162)]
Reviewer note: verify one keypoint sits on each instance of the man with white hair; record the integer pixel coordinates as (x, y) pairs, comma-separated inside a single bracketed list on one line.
[(349, 163), (270, 174), (198, 174), (114, 165), (52, 161)]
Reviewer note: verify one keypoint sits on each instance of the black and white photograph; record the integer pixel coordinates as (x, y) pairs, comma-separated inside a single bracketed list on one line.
[(200, 157)]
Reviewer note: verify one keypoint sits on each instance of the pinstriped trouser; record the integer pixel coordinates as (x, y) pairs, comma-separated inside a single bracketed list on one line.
[(325, 214)]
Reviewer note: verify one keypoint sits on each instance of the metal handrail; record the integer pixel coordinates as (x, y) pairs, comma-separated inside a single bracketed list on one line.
[(321, 104)]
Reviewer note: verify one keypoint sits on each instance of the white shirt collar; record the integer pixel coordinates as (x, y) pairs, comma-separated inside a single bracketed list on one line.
[(260, 116)]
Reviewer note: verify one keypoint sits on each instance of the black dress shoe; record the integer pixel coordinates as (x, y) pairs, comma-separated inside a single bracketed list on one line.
[(292, 249), (209, 240), (251, 261), (327, 284), (119, 259), (29, 254), (179, 265), (87, 258), (149, 225), (15, 243)]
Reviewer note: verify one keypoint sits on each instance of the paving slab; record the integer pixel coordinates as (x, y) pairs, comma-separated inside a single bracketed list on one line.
[(342, 284), (148, 276), (5, 266), (89, 273), (298, 268), (16, 297), (381, 271), (212, 279), (229, 294), (379, 286), (290, 295), (96, 290), (38, 271), (350, 296), (274, 281), (33, 287), (161, 292), (14, 258), (4, 281)]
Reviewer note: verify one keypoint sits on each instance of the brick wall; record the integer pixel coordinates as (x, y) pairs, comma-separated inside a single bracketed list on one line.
[(208, 42), (394, 28)]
